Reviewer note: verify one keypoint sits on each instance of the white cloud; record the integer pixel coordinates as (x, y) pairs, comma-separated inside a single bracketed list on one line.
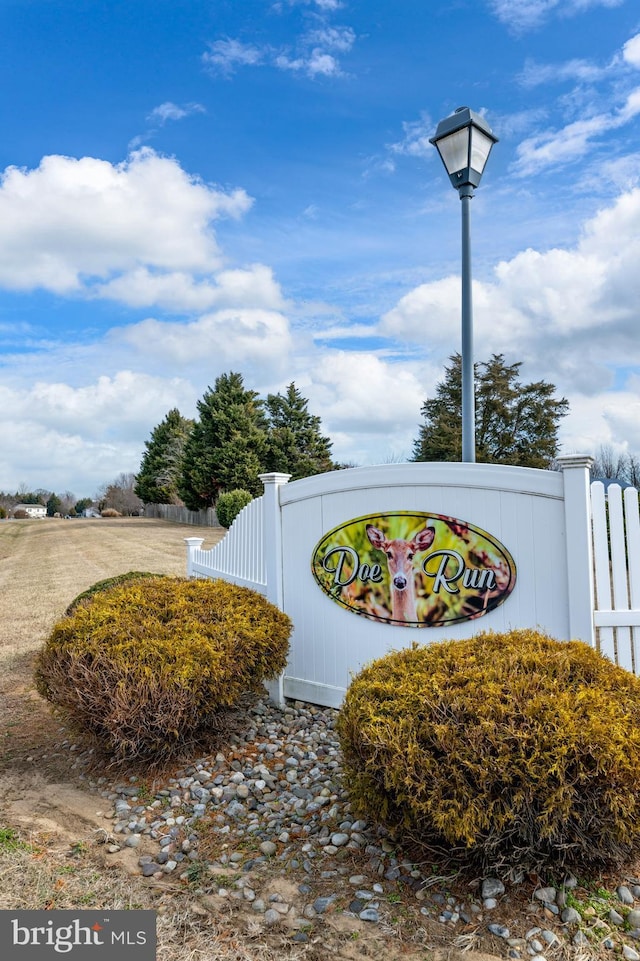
[(415, 142), (60, 437), (316, 51), (251, 338), (360, 393), (71, 221), (534, 74), (523, 15), (315, 64), (171, 111), (325, 5), (607, 418), (331, 38), (179, 291), (225, 56), (572, 142), (127, 399), (631, 51), (631, 107), (569, 315), (315, 54)]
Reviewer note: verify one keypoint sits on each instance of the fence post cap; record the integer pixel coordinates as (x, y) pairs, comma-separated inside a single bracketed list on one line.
[(194, 541), (274, 478), (567, 461)]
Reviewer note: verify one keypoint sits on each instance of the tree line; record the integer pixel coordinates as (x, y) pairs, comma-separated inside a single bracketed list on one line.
[(64, 504), (118, 495), (236, 437)]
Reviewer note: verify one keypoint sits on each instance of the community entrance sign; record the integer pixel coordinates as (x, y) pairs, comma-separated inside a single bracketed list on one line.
[(406, 559), (413, 569)]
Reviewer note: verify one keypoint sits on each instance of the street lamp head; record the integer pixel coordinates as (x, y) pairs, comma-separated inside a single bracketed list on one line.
[(464, 141)]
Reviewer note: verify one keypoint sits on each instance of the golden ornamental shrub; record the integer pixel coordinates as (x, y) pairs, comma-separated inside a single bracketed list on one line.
[(105, 584), (499, 750), (152, 664)]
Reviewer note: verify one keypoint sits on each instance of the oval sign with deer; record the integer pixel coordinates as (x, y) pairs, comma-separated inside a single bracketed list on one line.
[(413, 569)]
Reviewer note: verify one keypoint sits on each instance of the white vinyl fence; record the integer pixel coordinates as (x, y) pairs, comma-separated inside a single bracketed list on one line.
[(239, 557), (616, 546), (543, 519)]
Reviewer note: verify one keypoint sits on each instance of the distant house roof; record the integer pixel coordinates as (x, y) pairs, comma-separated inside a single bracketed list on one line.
[(608, 481)]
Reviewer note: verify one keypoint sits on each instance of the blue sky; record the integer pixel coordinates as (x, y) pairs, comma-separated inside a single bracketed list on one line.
[(196, 187)]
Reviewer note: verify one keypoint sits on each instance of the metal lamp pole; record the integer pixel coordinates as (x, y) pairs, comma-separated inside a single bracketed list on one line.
[(468, 388), (464, 141)]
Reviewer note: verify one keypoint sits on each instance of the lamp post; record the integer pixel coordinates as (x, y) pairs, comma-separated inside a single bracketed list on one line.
[(464, 141)]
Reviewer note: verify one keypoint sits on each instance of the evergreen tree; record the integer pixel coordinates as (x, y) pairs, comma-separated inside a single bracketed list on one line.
[(161, 466), (515, 423), (54, 506), (226, 448), (295, 444)]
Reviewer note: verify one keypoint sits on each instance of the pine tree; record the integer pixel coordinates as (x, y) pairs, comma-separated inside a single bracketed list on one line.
[(226, 449), (515, 423), (161, 467), (295, 444)]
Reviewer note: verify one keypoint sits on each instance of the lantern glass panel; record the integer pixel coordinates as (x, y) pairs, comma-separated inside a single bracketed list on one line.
[(454, 150), (480, 149)]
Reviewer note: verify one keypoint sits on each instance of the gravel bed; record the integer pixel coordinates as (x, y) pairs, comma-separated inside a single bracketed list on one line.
[(272, 805)]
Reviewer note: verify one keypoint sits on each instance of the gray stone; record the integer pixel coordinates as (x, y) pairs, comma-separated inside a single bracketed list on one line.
[(499, 930), (570, 916), (268, 848), (339, 839), (492, 888), (624, 894), (616, 918), (369, 914), (272, 917), (630, 954), (320, 905), (633, 918), (548, 895)]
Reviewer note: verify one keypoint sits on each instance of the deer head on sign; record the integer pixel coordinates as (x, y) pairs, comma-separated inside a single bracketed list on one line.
[(400, 554)]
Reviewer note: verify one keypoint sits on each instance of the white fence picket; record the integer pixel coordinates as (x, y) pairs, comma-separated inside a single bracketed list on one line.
[(632, 526), (602, 565), (619, 574)]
